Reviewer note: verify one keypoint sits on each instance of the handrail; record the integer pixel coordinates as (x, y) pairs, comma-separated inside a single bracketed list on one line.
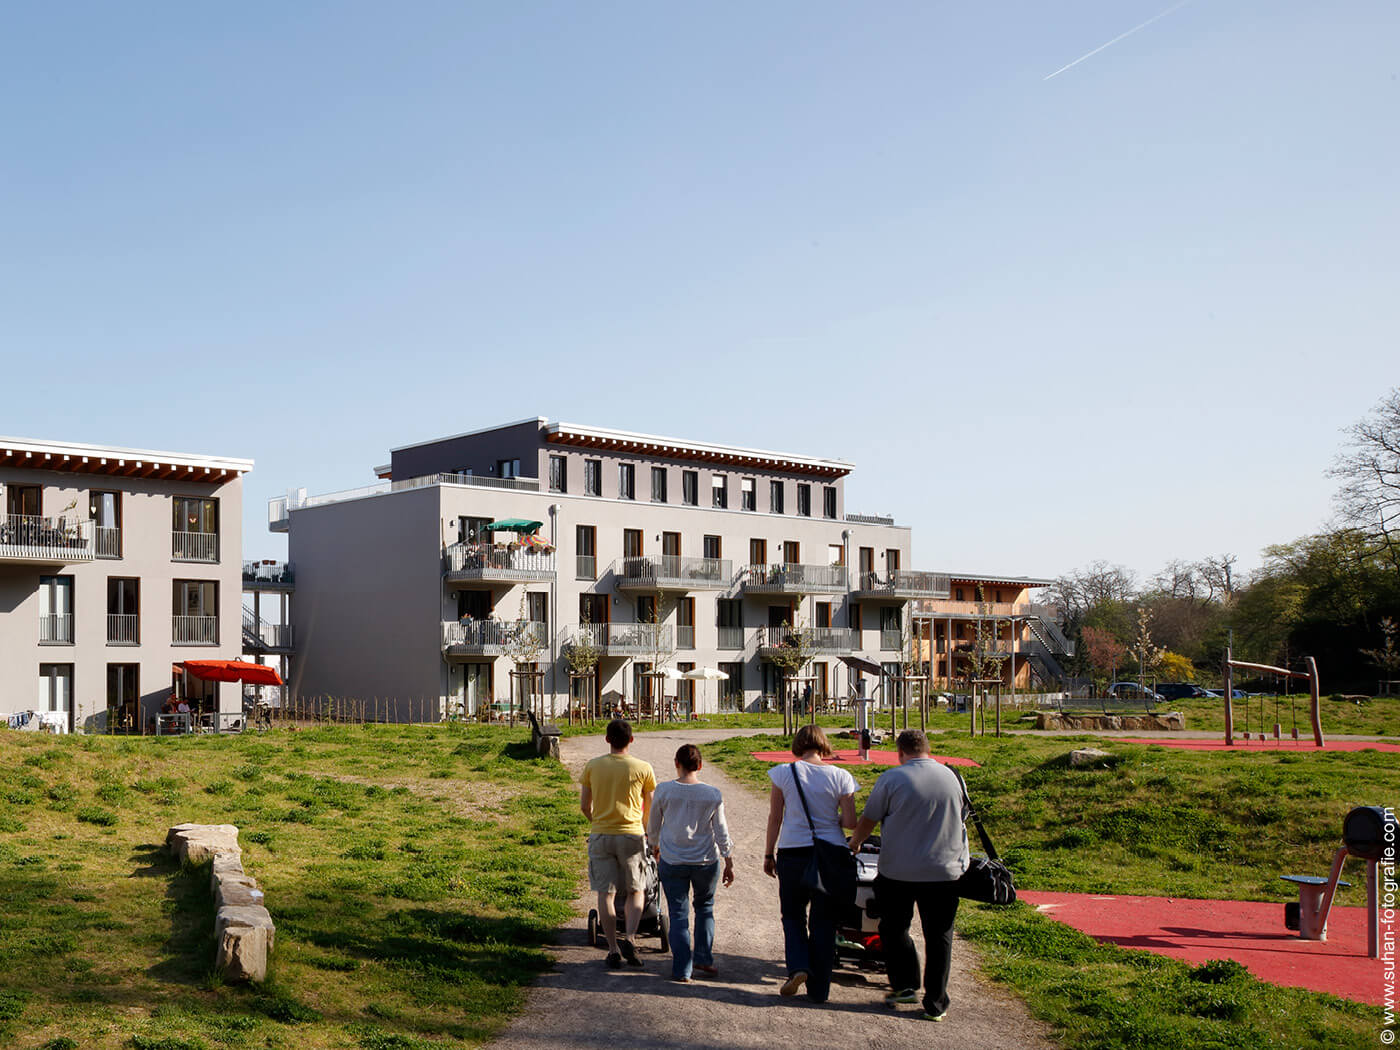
[(869, 519), (481, 559), (279, 507), (819, 639), (796, 577), (639, 637), (933, 584), (33, 536), (483, 634), (674, 568)]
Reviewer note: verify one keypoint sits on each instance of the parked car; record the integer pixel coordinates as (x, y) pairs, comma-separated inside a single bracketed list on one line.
[(1131, 691), (1180, 691)]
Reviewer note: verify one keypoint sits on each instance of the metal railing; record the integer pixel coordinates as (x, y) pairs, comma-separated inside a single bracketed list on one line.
[(56, 629), (685, 636), (819, 639), (674, 570), (279, 508), (484, 560), (279, 573), (631, 638), (587, 567), (194, 630), (194, 546), (268, 635), (796, 578), (869, 519), (1044, 627), (485, 635), (30, 537), (731, 638), (907, 581), (107, 541), (123, 629), (891, 639)]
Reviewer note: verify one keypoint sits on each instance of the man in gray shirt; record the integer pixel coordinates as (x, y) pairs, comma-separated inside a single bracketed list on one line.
[(923, 853)]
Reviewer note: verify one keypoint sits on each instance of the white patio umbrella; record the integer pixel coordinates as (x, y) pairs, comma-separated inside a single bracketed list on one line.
[(707, 674), (664, 674)]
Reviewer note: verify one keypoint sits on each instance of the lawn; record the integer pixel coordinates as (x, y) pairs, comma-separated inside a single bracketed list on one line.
[(1375, 717), (1151, 821), (414, 874)]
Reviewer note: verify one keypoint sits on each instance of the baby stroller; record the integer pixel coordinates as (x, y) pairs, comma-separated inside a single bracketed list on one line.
[(653, 922), (858, 933)]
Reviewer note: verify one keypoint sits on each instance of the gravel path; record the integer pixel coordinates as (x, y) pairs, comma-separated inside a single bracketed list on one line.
[(580, 1004)]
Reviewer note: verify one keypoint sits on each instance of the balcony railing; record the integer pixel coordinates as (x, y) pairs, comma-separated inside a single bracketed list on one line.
[(123, 629), (685, 636), (56, 629), (493, 637), (795, 579), (903, 583), (28, 537), (974, 610), (674, 572), (279, 508), (483, 561), (107, 542), (625, 639), (891, 638), (260, 634), (194, 630), (587, 567), (194, 546), (819, 639), (731, 638), (276, 575)]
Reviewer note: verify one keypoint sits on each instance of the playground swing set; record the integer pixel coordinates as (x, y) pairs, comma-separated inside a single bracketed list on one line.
[(1281, 674)]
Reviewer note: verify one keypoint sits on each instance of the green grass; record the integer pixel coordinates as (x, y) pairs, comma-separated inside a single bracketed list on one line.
[(1152, 821), (1377, 717), (414, 874)]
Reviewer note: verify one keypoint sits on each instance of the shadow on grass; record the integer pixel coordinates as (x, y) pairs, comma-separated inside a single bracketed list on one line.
[(189, 901)]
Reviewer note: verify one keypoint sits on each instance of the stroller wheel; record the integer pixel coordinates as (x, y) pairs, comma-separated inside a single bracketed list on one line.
[(593, 927), (663, 933)]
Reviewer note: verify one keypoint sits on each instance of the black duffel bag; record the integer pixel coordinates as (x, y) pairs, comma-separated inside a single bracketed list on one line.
[(986, 879), (832, 869)]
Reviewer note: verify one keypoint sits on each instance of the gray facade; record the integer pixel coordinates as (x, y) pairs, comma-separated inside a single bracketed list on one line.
[(115, 566), (403, 598)]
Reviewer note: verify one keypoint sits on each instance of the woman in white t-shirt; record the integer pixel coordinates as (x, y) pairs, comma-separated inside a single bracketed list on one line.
[(809, 921)]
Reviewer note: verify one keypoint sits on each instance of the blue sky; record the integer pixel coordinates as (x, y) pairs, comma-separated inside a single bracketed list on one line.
[(1124, 313)]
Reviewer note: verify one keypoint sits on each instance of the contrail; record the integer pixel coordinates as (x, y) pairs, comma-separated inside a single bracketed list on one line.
[(1120, 36)]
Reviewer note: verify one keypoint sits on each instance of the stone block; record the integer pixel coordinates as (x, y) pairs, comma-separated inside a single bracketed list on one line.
[(244, 938), (225, 864), (197, 843), (1087, 756), (237, 891)]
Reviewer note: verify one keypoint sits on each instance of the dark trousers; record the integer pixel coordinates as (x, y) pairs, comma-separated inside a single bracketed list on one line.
[(809, 924), (938, 905)]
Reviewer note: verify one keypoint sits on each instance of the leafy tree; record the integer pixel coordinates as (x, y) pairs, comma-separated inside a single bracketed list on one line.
[(1176, 668), (1104, 653)]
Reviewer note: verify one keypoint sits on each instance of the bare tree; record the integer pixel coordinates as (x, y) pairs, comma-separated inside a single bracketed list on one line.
[(1217, 573), (1369, 470), (1178, 579)]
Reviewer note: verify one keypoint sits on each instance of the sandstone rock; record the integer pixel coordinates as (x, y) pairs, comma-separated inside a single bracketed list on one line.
[(1087, 756), (197, 843), (224, 864), (244, 937), (237, 891)]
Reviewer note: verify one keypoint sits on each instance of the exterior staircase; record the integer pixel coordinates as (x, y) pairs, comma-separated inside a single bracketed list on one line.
[(1048, 645), (261, 637)]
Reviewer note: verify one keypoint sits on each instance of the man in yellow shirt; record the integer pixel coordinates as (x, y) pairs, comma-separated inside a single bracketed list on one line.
[(616, 799)]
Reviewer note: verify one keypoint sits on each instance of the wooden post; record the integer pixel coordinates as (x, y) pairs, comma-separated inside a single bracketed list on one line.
[(1227, 673), (1314, 697)]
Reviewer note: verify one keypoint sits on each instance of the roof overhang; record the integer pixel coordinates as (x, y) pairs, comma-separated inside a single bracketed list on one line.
[(70, 458), (651, 445), (1000, 581)]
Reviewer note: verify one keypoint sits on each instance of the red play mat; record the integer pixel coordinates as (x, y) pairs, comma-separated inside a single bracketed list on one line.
[(1250, 932), (852, 758)]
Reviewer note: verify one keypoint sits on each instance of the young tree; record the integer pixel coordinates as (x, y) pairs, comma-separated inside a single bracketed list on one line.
[(1105, 653), (1148, 654), (582, 656), (523, 644)]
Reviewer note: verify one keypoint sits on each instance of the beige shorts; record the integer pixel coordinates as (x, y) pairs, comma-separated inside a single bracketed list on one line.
[(617, 862)]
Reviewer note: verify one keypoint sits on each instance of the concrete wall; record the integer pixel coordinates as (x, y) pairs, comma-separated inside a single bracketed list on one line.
[(147, 515)]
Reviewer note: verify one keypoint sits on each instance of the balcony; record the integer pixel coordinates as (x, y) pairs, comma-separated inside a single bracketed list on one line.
[(476, 638), (485, 563), (671, 572), (965, 610), (194, 630), (123, 629), (901, 585), (891, 639), (795, 579), (107, 542), (268, 575), (624, 639), (820, 640), (44, 541), (194, 546), (56, 629)]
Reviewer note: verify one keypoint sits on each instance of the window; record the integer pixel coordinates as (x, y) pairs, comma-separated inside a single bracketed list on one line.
[(195, 529), (473, 530), (592, 477), (685, 689), (748, 496), (829, 501), (56, 689), (835, 554), (855, 617), (537, 607), (646, 609), (123, 610), (758, 552), (685, 623), (626, 481), (195, 611), (658, 484), (731, 689), (56, 610), (586, 548), (804, 501), (719, 488), (729, 618), (508, 468), (958, 595), (631, 543), (713, 547), (998, 596), (105, 510), (593, 609), (558, 474), (26, 500), (690, 488), (671, 544), (867, 567), (775, 497), (792, 552), (821, 614), (892, 560), (123, 697)]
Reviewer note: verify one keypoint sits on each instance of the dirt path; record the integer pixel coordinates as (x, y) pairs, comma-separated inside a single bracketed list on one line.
[(580, 1004)]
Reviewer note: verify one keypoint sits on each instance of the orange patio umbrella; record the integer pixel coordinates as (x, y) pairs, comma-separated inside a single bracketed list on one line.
[(233, 671)]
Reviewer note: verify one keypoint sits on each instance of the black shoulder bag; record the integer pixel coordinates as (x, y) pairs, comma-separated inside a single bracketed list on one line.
[(832, 870), (987, 879)]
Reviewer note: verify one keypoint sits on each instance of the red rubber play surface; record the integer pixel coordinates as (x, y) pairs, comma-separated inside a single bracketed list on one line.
[(1262, 745), (852, 758), (1250, 932)]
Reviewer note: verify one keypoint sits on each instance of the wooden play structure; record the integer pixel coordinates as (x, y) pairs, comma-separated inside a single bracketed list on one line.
[(1228, 672)]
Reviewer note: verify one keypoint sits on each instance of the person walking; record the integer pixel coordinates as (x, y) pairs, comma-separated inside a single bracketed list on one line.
[(920, 807), (809, 917), (616, 799), (689, 836)]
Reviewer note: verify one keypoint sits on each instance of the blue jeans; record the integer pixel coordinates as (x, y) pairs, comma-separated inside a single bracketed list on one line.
[(678, 880), (809, 924)]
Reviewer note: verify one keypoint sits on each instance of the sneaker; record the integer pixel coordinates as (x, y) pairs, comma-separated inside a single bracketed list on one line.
[(907, 995), (613, 961), (936, 1017), (629, 952), (707, 971), (794, 983), (680, 980)]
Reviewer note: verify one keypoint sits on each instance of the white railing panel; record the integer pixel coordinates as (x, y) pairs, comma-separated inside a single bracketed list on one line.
[(56, 629), (194, 546), (123, 629), (194, 630)]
